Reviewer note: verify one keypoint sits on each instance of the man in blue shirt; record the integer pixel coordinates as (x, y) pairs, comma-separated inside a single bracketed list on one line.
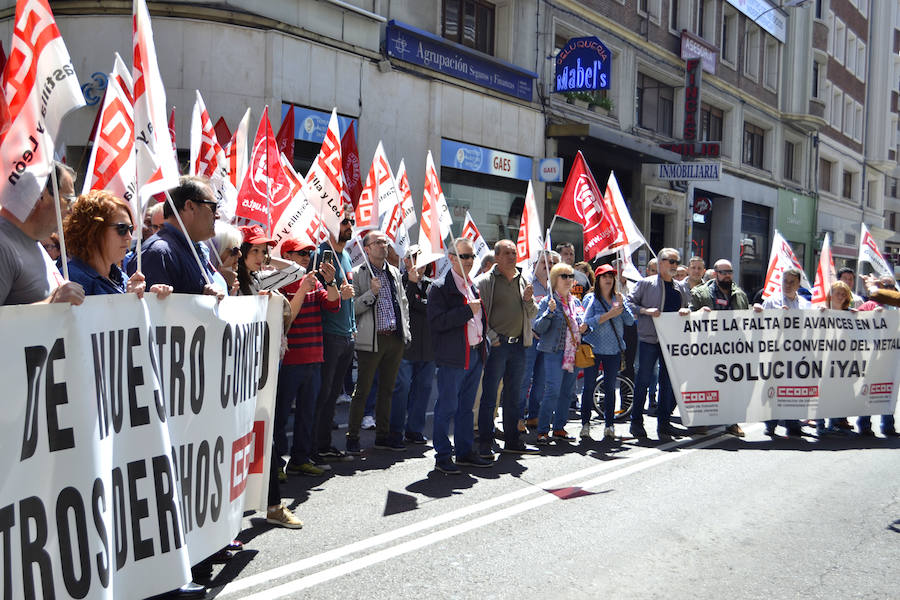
[(338, 329), (166, 256)]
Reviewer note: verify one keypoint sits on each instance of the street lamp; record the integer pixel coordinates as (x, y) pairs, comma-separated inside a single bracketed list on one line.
[(782, 6)]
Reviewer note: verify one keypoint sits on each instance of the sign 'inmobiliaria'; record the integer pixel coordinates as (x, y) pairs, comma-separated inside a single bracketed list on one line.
[(583, 65)]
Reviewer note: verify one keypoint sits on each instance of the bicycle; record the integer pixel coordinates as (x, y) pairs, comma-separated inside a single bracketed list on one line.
[(624, 397)]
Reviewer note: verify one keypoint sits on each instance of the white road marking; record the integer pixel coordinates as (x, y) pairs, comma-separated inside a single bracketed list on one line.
[(654, 456)]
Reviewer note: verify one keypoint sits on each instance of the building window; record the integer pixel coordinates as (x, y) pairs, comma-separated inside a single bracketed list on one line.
[(655, 105), (470, 23), (729, 36), (751, 52), (851, 52), (825, 170), (840, 40), (753, 145), (891, 186), (837, 104), (819, 9), (770, 79), (701, 10), (789, 150), (673, 15), (711, 119), (847, 185), (815, 80)]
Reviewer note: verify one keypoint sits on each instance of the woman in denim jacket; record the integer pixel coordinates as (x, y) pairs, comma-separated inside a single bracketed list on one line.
[(606, 317), (559, 325)]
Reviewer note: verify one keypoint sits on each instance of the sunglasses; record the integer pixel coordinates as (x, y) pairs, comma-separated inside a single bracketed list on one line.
[(301, 252), (725, 272), (214, 206), (234, 251), (671, 261), (350, 222), (463, 256), (123, 228), (567, 275)]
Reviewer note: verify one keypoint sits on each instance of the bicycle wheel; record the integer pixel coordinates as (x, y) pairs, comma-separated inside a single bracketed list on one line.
[(624, 397)]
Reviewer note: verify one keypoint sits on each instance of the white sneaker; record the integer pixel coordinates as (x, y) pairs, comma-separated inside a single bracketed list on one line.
[(283, 517), (586, 431), (609, 433), (343, 399), (368, 422)]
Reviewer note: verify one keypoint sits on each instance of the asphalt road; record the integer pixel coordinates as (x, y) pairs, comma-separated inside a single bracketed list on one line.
[(704, 517)]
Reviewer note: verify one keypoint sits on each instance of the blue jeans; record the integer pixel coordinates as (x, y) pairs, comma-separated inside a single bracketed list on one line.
[(610, 364), (532, 383), (648, 356), (298, 384), (864, 423), (411, 394), (455, 401), (558, 387), (507, 362)]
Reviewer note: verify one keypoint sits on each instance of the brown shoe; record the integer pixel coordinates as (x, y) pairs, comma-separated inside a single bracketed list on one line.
[(531, 423), (735, 430)]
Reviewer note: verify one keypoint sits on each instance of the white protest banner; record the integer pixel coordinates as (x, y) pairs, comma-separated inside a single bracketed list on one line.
[(782, 257), (436, 220), (129, 457), (325, 180), (869, 253), (112, 165), (743, 366)]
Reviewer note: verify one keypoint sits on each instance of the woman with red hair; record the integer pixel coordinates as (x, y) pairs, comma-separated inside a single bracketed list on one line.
[(98, 235)]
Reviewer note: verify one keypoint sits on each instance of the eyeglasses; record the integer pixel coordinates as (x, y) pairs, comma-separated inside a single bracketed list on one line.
[(725, 272), (234, 251), (350, 222), (123, 228), (671, 261), (69, 198), (49, 247), (301, 252), (214, 206), (567, 275), (463, 256)]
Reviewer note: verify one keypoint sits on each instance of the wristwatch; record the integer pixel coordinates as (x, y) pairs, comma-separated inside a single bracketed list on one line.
[(331, 283)]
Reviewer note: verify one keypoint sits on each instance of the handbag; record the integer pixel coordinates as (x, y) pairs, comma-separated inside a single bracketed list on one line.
[(584, 354)]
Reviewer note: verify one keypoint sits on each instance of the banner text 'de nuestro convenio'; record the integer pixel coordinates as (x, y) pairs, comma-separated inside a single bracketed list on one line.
[(136, 435), (744, 366)]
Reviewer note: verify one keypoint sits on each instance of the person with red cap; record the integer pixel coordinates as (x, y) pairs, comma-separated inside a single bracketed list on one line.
[(606, 317), (300, 376)]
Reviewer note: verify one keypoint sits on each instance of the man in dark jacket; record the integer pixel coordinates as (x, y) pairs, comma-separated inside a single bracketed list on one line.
[(652, 296), (413, 387), (458, 338)]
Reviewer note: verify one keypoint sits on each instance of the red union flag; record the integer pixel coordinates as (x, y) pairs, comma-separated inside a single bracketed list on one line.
[(825, 274), (350, 167), (40, 88), (470, 232), (157, 167), (436, 220), (111, 166), (208, 159), (528, 244), (236, 151), (868, 252), (581, 203), (366, 210), (406, 201), (629, 237), (781, 258), (325, 181), (265, 190), (285, 136)]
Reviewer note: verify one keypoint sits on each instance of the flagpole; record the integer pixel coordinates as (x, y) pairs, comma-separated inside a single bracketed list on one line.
[(545, 252), (188, 238), (59, 225), (140, 234), (366, 258)]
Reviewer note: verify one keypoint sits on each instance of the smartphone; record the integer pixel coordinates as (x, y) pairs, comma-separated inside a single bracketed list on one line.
[(328, 256)]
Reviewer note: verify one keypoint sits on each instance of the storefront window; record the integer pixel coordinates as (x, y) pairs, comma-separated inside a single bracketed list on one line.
[(495, 203)]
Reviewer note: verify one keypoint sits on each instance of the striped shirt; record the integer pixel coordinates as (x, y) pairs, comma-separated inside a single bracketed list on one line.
[(304, 338)]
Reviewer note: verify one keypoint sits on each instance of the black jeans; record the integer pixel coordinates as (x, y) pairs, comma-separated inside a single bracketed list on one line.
[(338, 355)]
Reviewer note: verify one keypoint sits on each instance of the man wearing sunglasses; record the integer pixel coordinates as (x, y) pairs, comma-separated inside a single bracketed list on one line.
[(27, 275), (167, 256), (721, 293), (651, 297), (458, 338)]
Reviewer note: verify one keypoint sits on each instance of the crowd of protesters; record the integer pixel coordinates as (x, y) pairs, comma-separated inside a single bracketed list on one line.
[(506, 339)]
